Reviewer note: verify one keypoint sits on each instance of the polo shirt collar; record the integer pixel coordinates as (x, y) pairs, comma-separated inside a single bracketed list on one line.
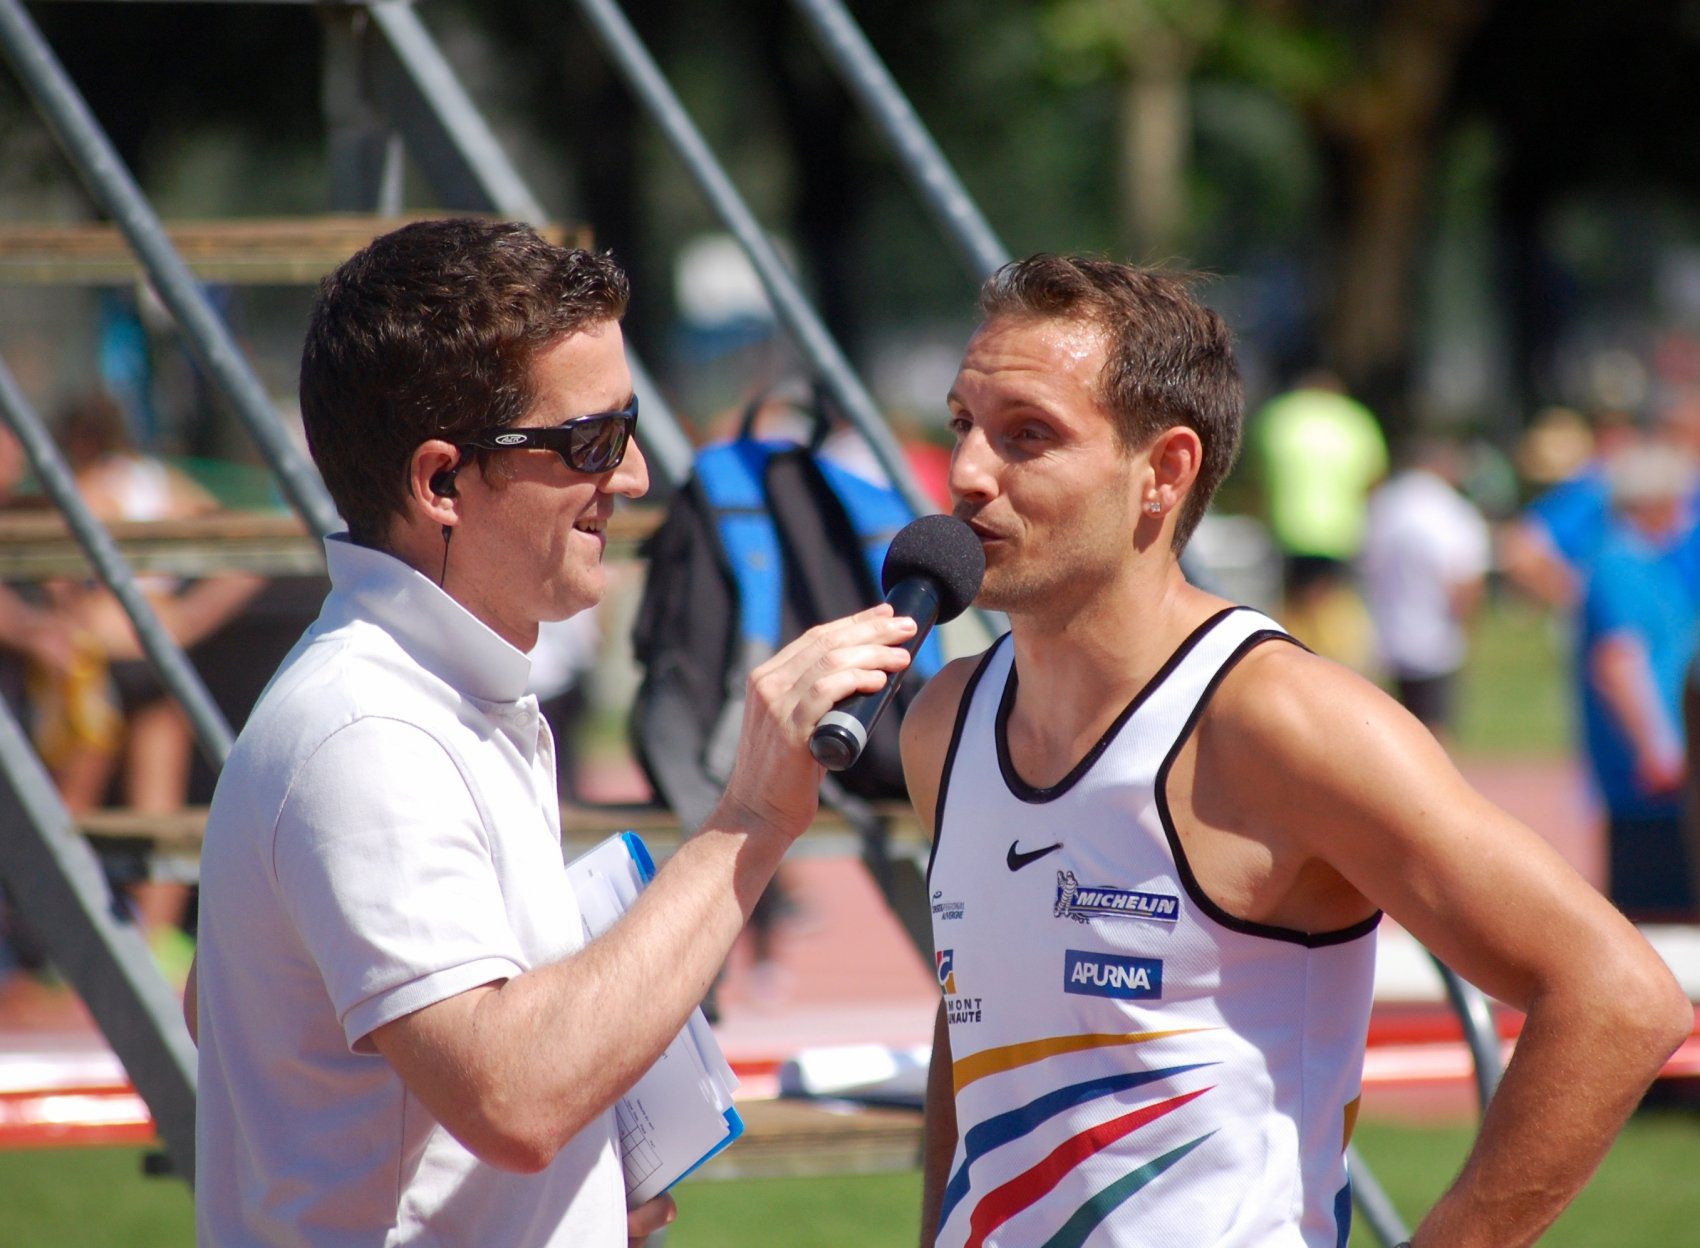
[(438, 633)]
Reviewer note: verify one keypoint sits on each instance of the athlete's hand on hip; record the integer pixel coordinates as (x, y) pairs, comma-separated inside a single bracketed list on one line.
[(775, 778), (648, 1218)]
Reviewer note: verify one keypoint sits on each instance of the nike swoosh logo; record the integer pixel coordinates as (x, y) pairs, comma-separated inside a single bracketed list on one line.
[(1016, 859)]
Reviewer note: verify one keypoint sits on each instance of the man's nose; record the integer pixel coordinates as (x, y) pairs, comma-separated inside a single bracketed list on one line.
[(631, 477), (972, 467)]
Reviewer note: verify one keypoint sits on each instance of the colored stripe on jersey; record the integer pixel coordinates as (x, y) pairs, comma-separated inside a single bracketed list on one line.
[(1003, 1203), (1085, 970)]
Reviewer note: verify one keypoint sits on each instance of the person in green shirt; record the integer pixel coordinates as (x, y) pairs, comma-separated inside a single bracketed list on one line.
[(1319, 451)]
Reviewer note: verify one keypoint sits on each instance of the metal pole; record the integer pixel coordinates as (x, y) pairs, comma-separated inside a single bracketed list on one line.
[(211, 728), (445, 131), (1373, 1201), (56, 884), (926, 167), (112, 187), (1476, 1015), (645, 79)]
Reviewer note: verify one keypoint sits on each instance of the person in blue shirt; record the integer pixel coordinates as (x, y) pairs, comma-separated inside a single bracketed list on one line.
[(1637, 637), (1549, 550)]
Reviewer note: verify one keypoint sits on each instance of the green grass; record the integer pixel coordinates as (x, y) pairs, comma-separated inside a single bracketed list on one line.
[(1645, 1194), (1514, 696), (90, 1198)]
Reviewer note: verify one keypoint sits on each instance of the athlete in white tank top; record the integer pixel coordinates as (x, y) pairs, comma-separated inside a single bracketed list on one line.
[(1156, 968), (1132, 1066)]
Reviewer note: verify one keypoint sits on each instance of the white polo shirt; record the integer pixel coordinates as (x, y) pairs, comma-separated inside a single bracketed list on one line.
[(385, 835)]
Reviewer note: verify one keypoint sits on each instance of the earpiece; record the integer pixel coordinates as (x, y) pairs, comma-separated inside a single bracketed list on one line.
[(443, 483)]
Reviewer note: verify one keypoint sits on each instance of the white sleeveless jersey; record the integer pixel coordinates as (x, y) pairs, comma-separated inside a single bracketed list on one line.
[(1133, 1066)]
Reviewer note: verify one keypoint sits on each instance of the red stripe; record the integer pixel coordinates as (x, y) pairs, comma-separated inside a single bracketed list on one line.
[(1028, 1188)]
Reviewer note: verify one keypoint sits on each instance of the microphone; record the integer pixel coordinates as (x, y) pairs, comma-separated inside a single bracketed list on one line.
[(932, 572)]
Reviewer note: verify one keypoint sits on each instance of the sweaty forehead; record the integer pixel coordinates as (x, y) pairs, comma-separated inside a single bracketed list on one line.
[(1032, 350)]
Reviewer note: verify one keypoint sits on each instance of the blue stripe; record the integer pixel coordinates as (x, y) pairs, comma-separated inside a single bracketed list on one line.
[(1343, 1214), (1015, 1123)]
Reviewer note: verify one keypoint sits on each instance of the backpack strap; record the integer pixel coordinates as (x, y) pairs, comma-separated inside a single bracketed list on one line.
[(876, 513), (731, 475)]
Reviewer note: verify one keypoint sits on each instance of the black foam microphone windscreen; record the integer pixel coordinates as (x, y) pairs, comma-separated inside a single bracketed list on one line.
[(931, 573), (944, 550)]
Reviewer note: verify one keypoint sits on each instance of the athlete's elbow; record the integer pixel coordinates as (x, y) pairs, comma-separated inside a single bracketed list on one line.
[(1667, 1016), (1653, 1012)]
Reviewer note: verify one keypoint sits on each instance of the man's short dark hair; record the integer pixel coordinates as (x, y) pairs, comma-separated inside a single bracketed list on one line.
[(430, 332), (1169, 359)]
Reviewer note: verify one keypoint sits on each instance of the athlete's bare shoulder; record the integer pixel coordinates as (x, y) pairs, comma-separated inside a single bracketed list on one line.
[(1323, 762), (927, 729)]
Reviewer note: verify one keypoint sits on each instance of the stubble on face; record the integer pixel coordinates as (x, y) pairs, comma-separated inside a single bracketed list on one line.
[(1056, 566)]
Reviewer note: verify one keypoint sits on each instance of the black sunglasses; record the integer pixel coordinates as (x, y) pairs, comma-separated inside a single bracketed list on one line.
[(588, 444)]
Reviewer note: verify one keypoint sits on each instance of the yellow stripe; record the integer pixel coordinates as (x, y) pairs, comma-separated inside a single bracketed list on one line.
[(1351, 1123), (994, 1061)]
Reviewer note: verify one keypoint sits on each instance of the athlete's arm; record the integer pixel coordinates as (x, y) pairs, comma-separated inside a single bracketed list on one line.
[(926, 736), (1351, 787), (938, 1133), (515, 1069)]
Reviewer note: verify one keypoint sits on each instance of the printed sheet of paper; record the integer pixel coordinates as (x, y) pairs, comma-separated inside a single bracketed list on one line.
[(680, 1112)]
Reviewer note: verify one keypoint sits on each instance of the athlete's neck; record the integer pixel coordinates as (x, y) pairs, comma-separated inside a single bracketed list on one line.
[(1078, 669)]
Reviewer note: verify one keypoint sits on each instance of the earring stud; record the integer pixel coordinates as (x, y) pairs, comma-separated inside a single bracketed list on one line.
[(1154, 507)]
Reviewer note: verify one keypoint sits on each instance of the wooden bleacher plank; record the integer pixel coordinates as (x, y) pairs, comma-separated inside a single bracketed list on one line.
[(258, 251), (785, 1138), (36, 545)]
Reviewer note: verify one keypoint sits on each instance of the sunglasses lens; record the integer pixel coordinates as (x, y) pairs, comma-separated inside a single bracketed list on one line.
[(597, 445)]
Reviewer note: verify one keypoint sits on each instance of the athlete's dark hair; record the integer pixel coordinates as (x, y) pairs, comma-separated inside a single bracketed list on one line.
[(430, 332), (1169, 360)]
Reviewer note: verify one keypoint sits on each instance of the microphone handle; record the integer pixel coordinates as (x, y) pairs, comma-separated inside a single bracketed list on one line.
[(842, 734)]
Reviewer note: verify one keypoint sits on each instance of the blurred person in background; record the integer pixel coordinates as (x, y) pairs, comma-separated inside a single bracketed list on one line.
[(1423, 567), (31, 636), (108, 713), (1640, 609), (1547, 552), (1318, 452)]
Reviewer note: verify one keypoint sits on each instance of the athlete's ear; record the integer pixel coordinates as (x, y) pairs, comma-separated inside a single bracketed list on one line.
[(1173, 462)]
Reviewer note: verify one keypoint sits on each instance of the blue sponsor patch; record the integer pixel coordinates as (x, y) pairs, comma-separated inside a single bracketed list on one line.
[(1085, 901), (1112, 975)]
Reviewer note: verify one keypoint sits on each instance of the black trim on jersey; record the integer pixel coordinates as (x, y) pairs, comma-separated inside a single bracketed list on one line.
[(1035, 795), (950, 754), (1189, 881)]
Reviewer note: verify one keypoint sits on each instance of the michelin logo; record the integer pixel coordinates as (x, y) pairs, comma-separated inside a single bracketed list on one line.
[(1080, 904), (1112, 975)]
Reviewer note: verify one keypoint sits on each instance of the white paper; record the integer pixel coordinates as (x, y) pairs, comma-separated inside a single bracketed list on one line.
[(676, 1113)]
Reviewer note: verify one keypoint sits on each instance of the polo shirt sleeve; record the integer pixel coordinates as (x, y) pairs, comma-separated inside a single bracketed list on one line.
[(384, 868)]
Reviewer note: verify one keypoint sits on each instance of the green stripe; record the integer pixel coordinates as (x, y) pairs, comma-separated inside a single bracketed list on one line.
[(1086, 1218)]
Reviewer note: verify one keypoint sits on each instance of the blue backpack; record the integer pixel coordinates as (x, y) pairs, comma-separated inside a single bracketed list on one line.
[(765, 539)]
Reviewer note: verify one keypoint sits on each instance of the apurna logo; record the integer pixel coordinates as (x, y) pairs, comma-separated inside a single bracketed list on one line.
[(1080, 903), (1112, 975)]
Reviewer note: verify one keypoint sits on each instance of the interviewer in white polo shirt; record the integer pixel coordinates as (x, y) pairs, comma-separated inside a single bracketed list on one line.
[(403, 1036)]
